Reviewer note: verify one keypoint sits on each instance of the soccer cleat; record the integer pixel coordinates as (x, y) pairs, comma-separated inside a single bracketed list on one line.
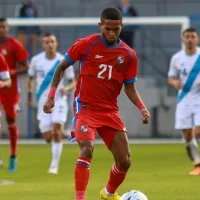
[(111, 197), (53, 170), (12, 164), (195, 171)]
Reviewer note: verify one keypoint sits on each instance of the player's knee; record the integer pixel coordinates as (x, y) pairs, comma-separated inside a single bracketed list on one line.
[(10, 120), (57, 135), (188, 135), (47, 137), (48, 140), (124, 163), (86, 149), (87, 152)]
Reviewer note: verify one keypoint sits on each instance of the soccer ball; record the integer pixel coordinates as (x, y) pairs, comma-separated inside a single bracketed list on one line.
[(134, 195)]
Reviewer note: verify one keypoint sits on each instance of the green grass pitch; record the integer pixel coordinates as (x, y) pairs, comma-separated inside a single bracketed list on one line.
[(160, 171)]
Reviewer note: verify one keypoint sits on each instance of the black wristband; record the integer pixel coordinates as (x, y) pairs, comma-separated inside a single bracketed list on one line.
[(29, 96)]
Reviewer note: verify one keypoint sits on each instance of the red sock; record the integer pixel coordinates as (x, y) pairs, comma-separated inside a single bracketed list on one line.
[(117, 176), (82, 174), (13, 135)]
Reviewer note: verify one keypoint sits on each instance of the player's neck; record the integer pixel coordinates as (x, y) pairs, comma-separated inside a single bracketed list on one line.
[(51, 56), (190, 51), (108, 44), (2, 39)]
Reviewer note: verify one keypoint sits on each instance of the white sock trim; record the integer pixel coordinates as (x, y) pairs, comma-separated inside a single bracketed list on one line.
[(107, 193)]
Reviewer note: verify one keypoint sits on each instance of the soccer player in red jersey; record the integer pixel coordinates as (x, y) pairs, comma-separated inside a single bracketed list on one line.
[(17, 59), (106, 63), (5, 82)]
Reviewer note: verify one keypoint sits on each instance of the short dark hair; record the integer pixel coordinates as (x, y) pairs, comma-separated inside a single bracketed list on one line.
[(111, 13), (3, 20), (191, 29), (48, 34)]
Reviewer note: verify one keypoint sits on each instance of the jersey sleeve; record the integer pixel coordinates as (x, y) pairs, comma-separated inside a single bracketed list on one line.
[(130, 76), (173, 71), (4, 71), (75, 52), (20, 52), (31, 70), (69, 73)]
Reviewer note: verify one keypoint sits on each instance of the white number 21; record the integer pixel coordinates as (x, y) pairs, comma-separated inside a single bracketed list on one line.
[(105, 67)]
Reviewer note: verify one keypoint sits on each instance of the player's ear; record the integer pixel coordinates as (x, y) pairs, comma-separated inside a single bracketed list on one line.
[(99, 25)]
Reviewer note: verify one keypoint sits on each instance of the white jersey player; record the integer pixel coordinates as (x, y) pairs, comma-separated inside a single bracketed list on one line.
[(42, 68), (184, 75)]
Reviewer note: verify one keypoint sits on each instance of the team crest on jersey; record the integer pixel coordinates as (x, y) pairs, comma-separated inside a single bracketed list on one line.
[(84, 128), (120, 60), (4, 52)]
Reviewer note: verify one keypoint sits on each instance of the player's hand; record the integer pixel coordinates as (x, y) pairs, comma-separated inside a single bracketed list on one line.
[(48, 106), (29, 103), (29, 97), (145, 115), (177, 84), (64, 91)]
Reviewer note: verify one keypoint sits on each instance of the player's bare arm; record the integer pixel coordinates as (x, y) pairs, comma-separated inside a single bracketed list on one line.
[(30, 89), (176, 83), (135, 98), (5, 83), (58, 75), (20, 70), (70, 86)]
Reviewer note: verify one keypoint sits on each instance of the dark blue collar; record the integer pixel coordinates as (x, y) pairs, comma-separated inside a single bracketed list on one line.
[(109, 46)]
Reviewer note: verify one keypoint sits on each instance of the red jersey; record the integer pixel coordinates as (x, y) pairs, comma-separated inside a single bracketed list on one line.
[(103, 71), (4, 71), (14, 54)]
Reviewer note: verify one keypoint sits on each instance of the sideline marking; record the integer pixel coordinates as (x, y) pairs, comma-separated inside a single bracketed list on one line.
[(6, 182)]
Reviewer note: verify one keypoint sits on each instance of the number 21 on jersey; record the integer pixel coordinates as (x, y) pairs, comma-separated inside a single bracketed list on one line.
[(103, 68)]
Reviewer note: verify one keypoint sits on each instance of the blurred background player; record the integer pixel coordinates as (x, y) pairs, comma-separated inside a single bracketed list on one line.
[(16, 57), (5, 82), (106, 64), (28, 35), (185, 77), (128, 33), (42, 68)]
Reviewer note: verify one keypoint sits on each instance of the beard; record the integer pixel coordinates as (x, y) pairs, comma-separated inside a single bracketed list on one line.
[(190, 46)]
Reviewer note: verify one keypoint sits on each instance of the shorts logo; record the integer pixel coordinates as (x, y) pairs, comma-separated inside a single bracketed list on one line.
[(120, 60), (84, 105), (84, 128)]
